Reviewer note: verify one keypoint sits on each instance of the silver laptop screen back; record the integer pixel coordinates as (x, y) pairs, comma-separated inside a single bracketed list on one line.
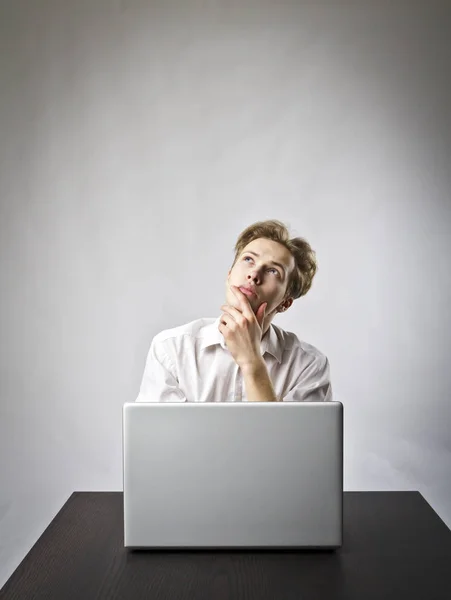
[(233, 475)]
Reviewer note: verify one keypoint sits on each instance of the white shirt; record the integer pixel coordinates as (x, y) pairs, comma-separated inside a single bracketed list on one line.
[(191, 363)]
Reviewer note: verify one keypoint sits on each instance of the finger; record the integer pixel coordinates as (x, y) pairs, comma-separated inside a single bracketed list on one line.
[(233, 312), (222, 323), (223, 329), (228, 322), (239, 300), (244, 302), (232, 323)]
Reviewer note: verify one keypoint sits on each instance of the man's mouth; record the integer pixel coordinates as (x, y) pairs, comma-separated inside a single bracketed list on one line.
[(248, 292)]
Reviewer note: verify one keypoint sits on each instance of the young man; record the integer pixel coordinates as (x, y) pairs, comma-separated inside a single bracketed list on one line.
[(241, 356)]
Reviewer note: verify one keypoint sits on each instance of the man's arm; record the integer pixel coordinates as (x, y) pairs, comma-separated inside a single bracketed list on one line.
[(313, 385), (242, 331), (258, 383), (159, 382)]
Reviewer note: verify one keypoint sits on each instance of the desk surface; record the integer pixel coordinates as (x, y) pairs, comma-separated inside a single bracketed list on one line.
[(394, 546)]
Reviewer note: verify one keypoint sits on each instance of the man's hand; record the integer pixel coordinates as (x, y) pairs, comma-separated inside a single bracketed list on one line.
[(243, 331)]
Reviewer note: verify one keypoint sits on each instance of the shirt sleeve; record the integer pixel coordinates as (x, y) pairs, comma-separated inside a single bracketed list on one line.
[(159, 382), (314, 383)]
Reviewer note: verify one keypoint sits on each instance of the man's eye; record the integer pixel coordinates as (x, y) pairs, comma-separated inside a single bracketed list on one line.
[(275, 270)]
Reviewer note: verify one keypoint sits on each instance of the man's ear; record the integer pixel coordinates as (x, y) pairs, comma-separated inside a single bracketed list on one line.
[(285, 305)]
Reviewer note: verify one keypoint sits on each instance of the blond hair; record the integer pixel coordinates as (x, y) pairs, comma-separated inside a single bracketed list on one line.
[(301, 277)]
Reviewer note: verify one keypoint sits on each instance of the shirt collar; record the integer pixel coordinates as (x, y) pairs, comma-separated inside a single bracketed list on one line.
[(270, 343)]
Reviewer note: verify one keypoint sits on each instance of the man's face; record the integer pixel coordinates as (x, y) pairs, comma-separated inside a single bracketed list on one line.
[(254, 268)]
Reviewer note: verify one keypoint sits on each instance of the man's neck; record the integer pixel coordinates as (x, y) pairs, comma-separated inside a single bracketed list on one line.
[(265, 333)]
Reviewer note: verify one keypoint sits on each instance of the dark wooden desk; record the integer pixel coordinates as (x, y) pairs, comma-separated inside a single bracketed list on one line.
[(395, 546)]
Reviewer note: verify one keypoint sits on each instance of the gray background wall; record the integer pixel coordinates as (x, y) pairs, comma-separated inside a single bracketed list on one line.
[(138, 139)]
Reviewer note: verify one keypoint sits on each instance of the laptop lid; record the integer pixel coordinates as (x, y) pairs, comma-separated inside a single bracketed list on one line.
[(233, 474)]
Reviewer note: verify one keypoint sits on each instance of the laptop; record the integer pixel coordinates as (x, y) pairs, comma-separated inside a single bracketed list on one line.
[(233, 475)]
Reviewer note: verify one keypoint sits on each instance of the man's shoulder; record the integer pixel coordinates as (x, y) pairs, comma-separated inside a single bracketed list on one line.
[(296, 346), (193, 329)]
